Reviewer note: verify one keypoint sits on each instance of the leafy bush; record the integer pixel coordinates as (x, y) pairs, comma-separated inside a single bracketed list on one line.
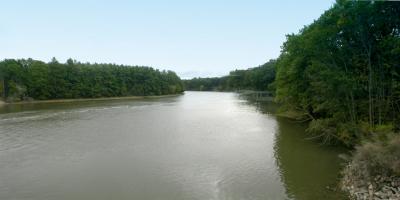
[(331, 130)]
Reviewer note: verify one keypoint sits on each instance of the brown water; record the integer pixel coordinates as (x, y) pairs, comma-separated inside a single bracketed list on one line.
[(201, 145)]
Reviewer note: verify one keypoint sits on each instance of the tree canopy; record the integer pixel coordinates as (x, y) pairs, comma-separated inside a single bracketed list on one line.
[(343, 71), (32, 79), (257, 78)]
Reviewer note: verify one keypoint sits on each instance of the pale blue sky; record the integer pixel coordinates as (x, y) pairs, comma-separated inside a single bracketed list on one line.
[(193, 38)]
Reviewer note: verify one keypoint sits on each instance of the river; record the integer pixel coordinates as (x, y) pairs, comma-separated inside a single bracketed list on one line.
[(200, 145)]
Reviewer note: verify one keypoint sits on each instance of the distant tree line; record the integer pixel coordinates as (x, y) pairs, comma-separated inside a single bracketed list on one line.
[(342, 72), (205, 84), (31, 79), (257, 78)]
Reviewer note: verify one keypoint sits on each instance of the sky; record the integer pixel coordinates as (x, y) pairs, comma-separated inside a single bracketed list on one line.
[(202, 38)]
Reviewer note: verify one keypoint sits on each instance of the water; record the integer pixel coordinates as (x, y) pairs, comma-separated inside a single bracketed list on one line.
[(201, 145)]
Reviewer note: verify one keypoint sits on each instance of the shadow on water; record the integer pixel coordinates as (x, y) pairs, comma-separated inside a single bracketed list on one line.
[(24, 107), (308, 169)]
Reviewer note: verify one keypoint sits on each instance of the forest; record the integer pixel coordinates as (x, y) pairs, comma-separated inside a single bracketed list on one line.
[(257, 78), (29, 79), (342, 72)]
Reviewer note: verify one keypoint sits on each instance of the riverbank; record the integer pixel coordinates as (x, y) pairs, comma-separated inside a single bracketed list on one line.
[(376, 187), (87, 99), (374, 170)]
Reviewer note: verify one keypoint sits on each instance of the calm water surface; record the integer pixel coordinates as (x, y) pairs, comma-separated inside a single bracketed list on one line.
[(201, 145)]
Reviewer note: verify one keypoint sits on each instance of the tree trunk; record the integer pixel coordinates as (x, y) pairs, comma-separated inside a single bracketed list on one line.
[(370, 85)]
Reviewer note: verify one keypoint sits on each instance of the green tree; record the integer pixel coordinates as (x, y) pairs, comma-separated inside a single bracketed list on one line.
[(340, 72), (22, 79)]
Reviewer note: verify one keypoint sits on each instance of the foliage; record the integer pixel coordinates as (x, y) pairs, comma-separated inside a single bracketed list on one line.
[(343, 70), (24, 79), (205, 84), (257, 78)]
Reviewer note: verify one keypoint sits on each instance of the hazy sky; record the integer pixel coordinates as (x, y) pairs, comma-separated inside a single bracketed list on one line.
[(193, 38)]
